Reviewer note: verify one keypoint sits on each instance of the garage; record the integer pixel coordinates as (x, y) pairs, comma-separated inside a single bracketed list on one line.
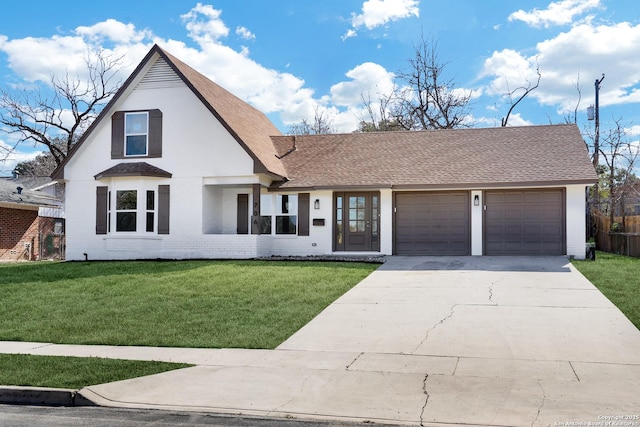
[(432, 223), (524, 222)]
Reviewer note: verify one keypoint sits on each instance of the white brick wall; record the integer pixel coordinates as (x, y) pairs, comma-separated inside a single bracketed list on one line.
[(576, 221)]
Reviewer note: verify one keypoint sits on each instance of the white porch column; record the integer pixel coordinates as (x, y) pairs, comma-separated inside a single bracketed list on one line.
[(476, 223), (386, 221), (576, 221)]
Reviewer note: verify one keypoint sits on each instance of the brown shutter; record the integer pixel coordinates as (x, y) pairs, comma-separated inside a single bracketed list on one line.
[(155, 133), (163, 209), (243, 214), (303, 214), (117, 135), (101, 209)]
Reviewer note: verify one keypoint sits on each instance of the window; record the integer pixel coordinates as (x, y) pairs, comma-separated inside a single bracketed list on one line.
[(126, 206), (57, 227), (153, 206), (339, 221), (357, 214), (266, 210), (109, 212), (151, 217), (286, 213), (136, 134), (136, 131)]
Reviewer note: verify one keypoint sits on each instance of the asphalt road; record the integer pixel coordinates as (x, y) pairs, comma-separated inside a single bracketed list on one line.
[(30, 416)]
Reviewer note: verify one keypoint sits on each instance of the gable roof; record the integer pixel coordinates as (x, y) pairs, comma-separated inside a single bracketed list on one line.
[(452, 158), (250, 127)]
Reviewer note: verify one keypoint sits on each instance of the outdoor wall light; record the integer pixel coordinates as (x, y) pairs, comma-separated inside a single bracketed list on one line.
[(316, 204), (476, 200)]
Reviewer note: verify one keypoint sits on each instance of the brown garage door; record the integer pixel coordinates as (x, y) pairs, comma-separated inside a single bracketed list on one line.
[(524, 222), (434, 223)]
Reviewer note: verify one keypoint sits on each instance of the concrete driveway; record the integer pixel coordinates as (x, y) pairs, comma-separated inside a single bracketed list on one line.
[(485, 341), (502, 340)]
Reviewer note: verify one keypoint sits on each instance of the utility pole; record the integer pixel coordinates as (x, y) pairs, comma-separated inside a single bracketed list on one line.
[(596, 139)]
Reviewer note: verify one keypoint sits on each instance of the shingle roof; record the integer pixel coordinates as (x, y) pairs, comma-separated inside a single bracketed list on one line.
[(133, 169), (251, 128), (9, 195), (457, 158)]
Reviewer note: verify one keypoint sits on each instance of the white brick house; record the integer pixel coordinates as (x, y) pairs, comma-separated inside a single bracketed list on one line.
[(177, 167)]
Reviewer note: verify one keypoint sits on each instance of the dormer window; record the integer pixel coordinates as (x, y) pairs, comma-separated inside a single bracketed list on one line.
[(136, 134)]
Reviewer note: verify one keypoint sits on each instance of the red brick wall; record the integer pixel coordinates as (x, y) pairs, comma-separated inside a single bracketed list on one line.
[(17, 228)]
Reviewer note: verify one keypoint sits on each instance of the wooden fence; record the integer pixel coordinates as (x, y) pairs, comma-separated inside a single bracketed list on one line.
[(626, 242)]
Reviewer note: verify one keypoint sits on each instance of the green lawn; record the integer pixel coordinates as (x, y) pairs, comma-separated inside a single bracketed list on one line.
[(618, 278), (216, 304), (73, 372)]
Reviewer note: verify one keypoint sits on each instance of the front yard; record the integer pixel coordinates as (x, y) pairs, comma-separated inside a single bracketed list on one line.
[(243, 304), (618, 278), (209, 304), (73, 372)]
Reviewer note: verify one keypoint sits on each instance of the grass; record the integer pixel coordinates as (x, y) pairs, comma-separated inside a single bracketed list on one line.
[(243, 304), (73, 372), (212, 304), (618, 278)]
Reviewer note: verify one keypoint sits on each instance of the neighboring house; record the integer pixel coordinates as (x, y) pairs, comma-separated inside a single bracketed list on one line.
[(177, 167), (30, 221)]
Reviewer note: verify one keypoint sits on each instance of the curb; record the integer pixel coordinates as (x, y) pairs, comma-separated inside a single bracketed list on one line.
[(18, 395)]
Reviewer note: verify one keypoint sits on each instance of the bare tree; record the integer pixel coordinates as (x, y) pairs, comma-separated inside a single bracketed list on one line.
[(320, 125), (573, 118), (524, 91), (380, 118), (620, 156), (56, 117), (428, 99)]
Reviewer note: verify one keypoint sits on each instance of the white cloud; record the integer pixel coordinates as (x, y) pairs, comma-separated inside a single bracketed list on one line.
[(10, 157), (204, 24), (368, 82), (114, 31), (365, 79), (584, 52), (376, 13), (37, 59), (633, 130), (557, 13), (350, 33), (245, 33)]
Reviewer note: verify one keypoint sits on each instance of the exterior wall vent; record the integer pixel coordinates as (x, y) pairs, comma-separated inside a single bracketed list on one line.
[(160, 75)]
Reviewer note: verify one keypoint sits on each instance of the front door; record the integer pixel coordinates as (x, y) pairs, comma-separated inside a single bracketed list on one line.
[(357, 221)]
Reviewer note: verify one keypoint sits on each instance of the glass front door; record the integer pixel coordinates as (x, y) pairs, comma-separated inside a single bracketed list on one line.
[(357, 221)]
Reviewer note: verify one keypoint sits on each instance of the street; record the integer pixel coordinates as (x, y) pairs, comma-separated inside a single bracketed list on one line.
[(29, 416)]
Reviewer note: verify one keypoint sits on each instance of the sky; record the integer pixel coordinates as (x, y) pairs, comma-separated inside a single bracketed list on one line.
[(292, 58)]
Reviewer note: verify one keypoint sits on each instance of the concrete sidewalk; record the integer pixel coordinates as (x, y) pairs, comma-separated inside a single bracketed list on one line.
[(431, 341)]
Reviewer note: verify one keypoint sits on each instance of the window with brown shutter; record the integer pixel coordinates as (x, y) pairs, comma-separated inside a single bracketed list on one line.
[(123, 133)]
